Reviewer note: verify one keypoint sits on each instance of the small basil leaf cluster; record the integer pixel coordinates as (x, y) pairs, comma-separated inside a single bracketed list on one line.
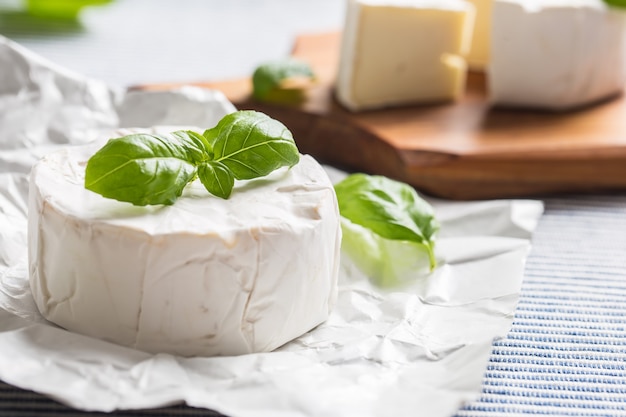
[(149, 169)]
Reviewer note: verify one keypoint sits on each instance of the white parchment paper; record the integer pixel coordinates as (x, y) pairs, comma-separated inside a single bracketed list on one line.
[(417, 350)]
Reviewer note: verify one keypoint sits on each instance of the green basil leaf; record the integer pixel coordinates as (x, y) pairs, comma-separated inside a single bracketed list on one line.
[(147, 169), (385, 262), (196, 146), (140, 169), (210, 135), (616, 3), (216, 178), (286, 95), (252, 145), (390, 209), (60, 9), (269, 78)]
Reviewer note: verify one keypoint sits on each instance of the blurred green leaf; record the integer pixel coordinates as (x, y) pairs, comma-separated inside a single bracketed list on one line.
[(282, 81), (60, 9), (618, 3)]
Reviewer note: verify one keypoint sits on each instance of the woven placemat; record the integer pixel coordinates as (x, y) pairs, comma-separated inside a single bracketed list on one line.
[(566, 352)]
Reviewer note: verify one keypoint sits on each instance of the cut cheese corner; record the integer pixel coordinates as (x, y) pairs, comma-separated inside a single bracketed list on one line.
[(456, 67), (479, 51)]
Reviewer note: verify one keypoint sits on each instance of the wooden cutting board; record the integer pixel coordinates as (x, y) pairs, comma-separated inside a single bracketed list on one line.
[(463, 150)]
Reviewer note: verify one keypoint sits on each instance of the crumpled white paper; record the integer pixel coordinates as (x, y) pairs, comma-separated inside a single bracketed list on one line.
[(416, 350)]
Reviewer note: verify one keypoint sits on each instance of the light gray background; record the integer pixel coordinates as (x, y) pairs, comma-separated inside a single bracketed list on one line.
[(129, 42)]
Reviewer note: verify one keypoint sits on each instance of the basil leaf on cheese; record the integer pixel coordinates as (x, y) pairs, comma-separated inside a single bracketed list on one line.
[(251, 144), (392, 211), (196, 146), (216, 178), (145, 169), (141, 169)]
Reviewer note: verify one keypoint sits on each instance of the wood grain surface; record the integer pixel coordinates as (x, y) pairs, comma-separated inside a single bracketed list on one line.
[(462, 150)]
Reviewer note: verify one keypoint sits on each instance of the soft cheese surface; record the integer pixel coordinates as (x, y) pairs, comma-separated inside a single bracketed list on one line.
[(478, 56), (204, 276), (396, 52), (556, 54)]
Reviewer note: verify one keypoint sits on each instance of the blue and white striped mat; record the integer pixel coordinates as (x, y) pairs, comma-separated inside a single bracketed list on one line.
[(566, 351)]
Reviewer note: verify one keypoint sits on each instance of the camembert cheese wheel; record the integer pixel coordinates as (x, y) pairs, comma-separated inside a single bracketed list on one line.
[(556, 54), (202, 277)]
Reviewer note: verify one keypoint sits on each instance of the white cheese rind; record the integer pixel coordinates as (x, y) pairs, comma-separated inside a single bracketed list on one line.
[(202, 277), (556, 54), (400, 52)]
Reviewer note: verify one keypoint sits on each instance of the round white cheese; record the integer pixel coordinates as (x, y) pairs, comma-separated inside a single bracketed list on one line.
[(202, 277), (556, 54)]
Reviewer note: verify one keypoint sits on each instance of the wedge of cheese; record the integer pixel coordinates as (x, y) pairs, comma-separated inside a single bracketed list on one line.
[(478, 55), (556, 54), (202, 277), (396, 52)]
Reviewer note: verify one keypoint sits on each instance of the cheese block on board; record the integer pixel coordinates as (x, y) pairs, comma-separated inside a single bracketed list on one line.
[(396, 52), (202, 277), (556, 54), (478, 55)]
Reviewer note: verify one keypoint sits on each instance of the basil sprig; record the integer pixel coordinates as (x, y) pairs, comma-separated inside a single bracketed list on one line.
[(390, 209), (148, 169), (282, 81), (616, 3)]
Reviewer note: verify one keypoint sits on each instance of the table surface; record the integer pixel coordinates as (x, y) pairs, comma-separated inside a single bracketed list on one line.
[(566, 351)]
